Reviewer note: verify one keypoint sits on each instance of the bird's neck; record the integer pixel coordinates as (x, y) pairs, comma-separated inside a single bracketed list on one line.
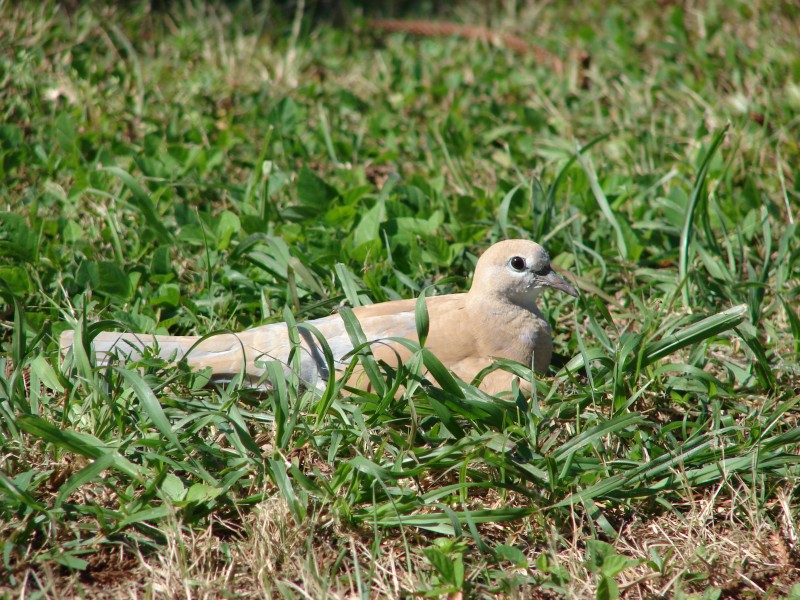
[(496, 303), (526, 300)]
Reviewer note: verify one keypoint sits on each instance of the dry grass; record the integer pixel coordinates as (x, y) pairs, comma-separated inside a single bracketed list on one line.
[(214, 112), (722, 538)]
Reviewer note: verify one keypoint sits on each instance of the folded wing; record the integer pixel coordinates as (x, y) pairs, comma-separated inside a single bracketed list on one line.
[(231, 354)]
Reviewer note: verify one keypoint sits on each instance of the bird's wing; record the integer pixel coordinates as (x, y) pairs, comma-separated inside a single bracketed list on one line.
[(272, 342), (230, 354)]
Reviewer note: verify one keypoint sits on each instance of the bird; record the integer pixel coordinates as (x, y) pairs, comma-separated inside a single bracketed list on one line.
[(498, 318)]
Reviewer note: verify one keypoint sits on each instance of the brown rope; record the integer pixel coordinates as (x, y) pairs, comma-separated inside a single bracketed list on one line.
[(469, 32)]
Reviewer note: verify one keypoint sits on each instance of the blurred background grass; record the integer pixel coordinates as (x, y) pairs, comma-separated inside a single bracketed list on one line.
[(187, 167)]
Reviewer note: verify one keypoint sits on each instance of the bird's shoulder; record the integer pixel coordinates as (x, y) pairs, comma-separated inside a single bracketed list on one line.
[(447, 302), (382, 309)]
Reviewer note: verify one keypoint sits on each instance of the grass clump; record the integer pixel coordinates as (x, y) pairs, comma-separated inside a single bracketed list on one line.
[(193, 168)]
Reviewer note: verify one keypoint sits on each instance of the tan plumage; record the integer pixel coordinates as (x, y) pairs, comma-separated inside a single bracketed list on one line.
[(497, 318)]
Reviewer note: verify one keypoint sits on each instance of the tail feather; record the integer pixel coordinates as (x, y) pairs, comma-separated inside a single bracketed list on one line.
[(230, 355), (131, 346)]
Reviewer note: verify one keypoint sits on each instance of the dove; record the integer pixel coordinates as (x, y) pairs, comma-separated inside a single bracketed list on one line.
[(497, 318)]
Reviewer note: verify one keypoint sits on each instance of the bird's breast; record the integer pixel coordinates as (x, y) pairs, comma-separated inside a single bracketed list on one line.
[(507, 330)]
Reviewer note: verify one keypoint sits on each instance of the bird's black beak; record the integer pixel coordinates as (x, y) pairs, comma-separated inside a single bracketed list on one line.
[(557, 282)]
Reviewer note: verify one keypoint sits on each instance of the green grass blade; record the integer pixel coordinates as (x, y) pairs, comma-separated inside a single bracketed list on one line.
[(421, 318), (85, 476), (151, 406), (21, 496), (80, 443), (141, 199), (365, 358), (602, 202), (696, 332), (696, 202)]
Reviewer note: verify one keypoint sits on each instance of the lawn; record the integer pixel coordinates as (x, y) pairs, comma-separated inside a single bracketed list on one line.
[(196, 167)]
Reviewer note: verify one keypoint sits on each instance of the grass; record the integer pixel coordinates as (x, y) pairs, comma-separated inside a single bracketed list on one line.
[(202, 167)]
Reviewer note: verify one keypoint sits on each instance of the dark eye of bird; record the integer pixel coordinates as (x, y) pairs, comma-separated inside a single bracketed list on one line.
[(517, 263)]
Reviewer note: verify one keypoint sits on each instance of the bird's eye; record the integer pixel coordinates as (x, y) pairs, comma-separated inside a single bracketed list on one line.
[(517, 263)]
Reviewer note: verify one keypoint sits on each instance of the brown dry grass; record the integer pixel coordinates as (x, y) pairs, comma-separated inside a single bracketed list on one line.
[(721, 538)]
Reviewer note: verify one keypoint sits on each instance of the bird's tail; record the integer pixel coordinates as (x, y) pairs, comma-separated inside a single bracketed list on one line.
[(131, 346), (228, 355)]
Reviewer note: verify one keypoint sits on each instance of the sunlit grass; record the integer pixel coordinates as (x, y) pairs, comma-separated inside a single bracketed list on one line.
[(196, 168)]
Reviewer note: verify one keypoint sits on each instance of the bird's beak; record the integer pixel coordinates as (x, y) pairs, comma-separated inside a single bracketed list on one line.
[(557, 282)]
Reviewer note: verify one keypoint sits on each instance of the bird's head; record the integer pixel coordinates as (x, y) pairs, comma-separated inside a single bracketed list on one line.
[(517, 270)]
